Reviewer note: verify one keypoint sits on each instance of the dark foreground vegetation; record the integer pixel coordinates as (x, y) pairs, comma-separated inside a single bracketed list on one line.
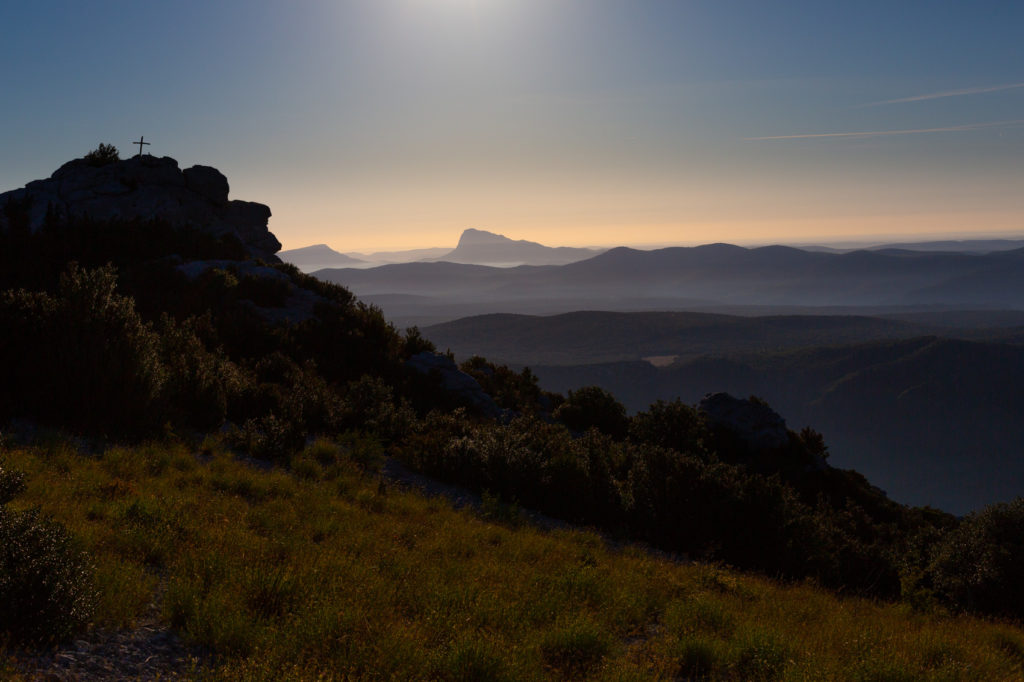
[(130, 332)]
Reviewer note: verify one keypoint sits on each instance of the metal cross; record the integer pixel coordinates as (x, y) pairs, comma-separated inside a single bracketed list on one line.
[(140, 143)]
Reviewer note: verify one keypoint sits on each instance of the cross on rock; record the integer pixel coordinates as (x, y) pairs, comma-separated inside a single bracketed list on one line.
[(141, 142)]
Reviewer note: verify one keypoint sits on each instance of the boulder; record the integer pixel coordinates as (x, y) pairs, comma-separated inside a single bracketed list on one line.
[(145, 187), (456, 381), (207, 181)]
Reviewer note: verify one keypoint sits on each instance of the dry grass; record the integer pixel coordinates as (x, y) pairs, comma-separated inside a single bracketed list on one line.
[(320, 573)]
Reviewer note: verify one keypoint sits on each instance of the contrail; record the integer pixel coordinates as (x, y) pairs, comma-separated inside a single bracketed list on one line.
[(948, 93), (881, 133)]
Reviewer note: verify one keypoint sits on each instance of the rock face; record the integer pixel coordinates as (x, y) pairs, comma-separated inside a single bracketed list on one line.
[(146, 187), (754, 423), (455, 380)]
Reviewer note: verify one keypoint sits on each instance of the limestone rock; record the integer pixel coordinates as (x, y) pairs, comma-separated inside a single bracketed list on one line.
[(455, 380), (145, 187), (207, 181)]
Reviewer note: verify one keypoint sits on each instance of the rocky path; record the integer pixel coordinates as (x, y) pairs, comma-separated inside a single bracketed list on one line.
[(145, 652)]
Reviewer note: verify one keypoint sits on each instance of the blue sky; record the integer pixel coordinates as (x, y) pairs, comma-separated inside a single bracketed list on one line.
[(399, 123)]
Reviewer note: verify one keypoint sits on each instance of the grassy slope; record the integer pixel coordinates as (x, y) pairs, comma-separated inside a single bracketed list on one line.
[(322, 573)]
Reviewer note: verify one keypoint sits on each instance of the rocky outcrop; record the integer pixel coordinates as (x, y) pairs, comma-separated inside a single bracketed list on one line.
[(456, 381), (756, 425), (145, 187)]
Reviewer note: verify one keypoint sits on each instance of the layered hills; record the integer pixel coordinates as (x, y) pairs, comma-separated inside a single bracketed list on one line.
[(477, 247), (711, 276)]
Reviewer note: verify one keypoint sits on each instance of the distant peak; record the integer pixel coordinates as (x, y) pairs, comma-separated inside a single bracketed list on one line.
[(472, 237)]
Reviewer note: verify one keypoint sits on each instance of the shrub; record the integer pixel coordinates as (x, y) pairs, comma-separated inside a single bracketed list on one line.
[(199, 384), (12, 483), (593, 407), (46, 591), (576, 649), (83, 359), (517, 391), (673, 425), (102, 155), (979, 564)]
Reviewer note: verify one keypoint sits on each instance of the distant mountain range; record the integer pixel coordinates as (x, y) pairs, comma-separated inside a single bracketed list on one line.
[(945, 245), (477, 247), (706, 277)]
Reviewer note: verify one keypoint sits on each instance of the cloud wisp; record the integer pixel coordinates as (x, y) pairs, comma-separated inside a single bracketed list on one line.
[(884, 133), (948, 93)]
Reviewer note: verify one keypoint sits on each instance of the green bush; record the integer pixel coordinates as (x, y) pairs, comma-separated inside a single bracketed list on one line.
[(978, 566), (46, 590)]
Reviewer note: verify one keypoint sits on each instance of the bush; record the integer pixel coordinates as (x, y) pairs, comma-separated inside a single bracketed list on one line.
[(978, 565), (593, 407), (673, 425), (12, 483), (82, 359), (102, 155), (46, 591), (575, 649)]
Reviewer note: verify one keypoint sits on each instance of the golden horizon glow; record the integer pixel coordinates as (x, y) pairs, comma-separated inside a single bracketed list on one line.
[(804, 231)]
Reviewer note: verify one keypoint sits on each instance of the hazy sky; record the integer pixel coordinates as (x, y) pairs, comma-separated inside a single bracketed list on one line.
[(399, 123)]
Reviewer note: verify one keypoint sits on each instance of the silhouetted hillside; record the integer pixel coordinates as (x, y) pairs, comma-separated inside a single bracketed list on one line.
[(930, 420), (590, 337), (317, 257)]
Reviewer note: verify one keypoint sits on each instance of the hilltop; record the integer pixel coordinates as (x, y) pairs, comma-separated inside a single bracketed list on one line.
[(318, 257), (140, 189)]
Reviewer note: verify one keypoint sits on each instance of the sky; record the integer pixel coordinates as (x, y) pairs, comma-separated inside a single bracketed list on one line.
[(395, 124)]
